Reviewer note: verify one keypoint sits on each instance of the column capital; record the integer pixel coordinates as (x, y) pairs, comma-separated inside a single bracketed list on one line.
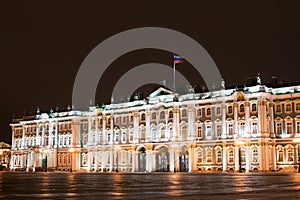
[(247, 103), (235, 104)]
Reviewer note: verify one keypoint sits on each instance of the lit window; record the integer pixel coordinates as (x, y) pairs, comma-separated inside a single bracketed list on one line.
[(219, 130), (171, 114), (199, 112), (288, 108), (278, 108), (124, 136), (278, 128), (142, 133), (297, 107), (143, 117), (230, 129), (163, 132), (219, 156), (280, 154), (183, 132), (290, 155), (230, 111), (253, 107), (254, 127), (200, 156), (243, 155), (255, 155), (153, 116), (183, 114), (162, 115), (298, 127), (153, 133), (289, 128), (218, 110), (208, 130), (242, 128), (199, 131), (208, 155), (208, 111), (242, 108), (230, 156), (124, 119)]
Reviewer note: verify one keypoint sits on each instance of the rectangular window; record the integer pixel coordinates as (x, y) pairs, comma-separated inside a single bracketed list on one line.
[(242, 128), (200, 156), (208, 130), (289, 128), (219, 156), (278, 108), (229, 110), (219, 130), (278, 128), (298, 127), (297, 107), (230, 156), (199, 131), (230, 129), (288, 108), (254, 127), (209, 156), (218, 110)]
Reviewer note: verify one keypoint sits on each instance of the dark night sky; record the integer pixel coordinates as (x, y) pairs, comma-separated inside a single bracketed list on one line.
[(42, 45)]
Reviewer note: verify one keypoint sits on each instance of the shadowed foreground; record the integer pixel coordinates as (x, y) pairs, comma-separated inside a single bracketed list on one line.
[(19, 185)]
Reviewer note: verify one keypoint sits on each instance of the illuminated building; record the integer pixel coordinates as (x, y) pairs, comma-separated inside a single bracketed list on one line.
[(253, 128)]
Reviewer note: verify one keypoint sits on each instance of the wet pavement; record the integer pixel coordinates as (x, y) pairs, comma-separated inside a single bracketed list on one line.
[(61, 185)]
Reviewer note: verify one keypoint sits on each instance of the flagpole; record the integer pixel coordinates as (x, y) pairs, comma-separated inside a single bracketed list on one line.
[(174, 70)]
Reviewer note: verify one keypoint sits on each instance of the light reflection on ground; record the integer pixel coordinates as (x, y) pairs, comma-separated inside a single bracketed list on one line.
[(19, 185)]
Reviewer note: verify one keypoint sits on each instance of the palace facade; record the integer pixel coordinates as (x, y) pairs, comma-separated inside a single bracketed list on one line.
[(255, 128)]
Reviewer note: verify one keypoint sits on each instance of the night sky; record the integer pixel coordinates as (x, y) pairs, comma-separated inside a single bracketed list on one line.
[(42, 45)]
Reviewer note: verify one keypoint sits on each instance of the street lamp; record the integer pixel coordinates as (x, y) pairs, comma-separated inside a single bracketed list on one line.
[(239, 143), (297, 140), (71, 150)]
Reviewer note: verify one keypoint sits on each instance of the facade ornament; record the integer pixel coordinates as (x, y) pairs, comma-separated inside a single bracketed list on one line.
[(258, 79), (223, 84)]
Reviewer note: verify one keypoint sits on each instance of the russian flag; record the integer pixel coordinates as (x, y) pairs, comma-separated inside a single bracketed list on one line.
[(178, 59)]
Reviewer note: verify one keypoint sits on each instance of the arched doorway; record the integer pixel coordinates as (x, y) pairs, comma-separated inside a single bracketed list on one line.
[(162, 160), (142, 159), (184, 160)]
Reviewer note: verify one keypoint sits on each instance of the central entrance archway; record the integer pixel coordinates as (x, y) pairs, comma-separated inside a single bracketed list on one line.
[(184, 160), (142, 159), (162, 160)]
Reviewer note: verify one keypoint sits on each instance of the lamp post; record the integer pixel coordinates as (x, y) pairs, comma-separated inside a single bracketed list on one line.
[(71, 150), (297, 140)]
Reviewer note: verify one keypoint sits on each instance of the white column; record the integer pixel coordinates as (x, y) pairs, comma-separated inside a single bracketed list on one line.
[(112, 137), (104, 137), (56, 135), (37, 141), (247, 157), (149, 159), (96, 161), (111, 158), (274, 161), (224, 134), (172, 159), (236, 158), (133, 154), (23, 137), (89, 161), (224, 157), (190, 150), (247, 119), (136, 127), (154, 161), (235, 120), (148, 128), (271, 113), (89, 131), (50, 137)]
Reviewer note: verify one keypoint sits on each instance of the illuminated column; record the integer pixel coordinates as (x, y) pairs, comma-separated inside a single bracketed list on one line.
[(89, 161), (177, 151), (224, 157), (191, 123), (56, 135), (172, 157), (236, 158), (12, 161), (50, 138), (261, 155), (89, 131), (154, 161), (111, 158), (111, 129), (149, 158), (75, 133), (148, 128), (191, 157), (136, 127), (133, 153), (247, 119), (37, 141), (274, 161), (271, 124), (263, 120), (247, 156), (224, 135), (104, 138), (23, 137), (235, 120), (96, 161), (175, 127), (96, 130)]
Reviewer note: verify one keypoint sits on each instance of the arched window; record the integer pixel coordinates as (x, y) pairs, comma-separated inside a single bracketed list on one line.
[(162, 132), (199, 131), (183, 113), (230, 110), (242, 108), (278, 108), (230, 156), (253, 107), (254, 155), (142, 133), (183, 131), (153, 115), (153, 132), (288, 108), (289, 127), (218, 110), (297, 107), (200, 155), (143, 117), (218, 156), (280, 154), (242, 128), (171, 114), (208, 111), (199, 112), (162, 115), (290, 154), (208, 155)]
